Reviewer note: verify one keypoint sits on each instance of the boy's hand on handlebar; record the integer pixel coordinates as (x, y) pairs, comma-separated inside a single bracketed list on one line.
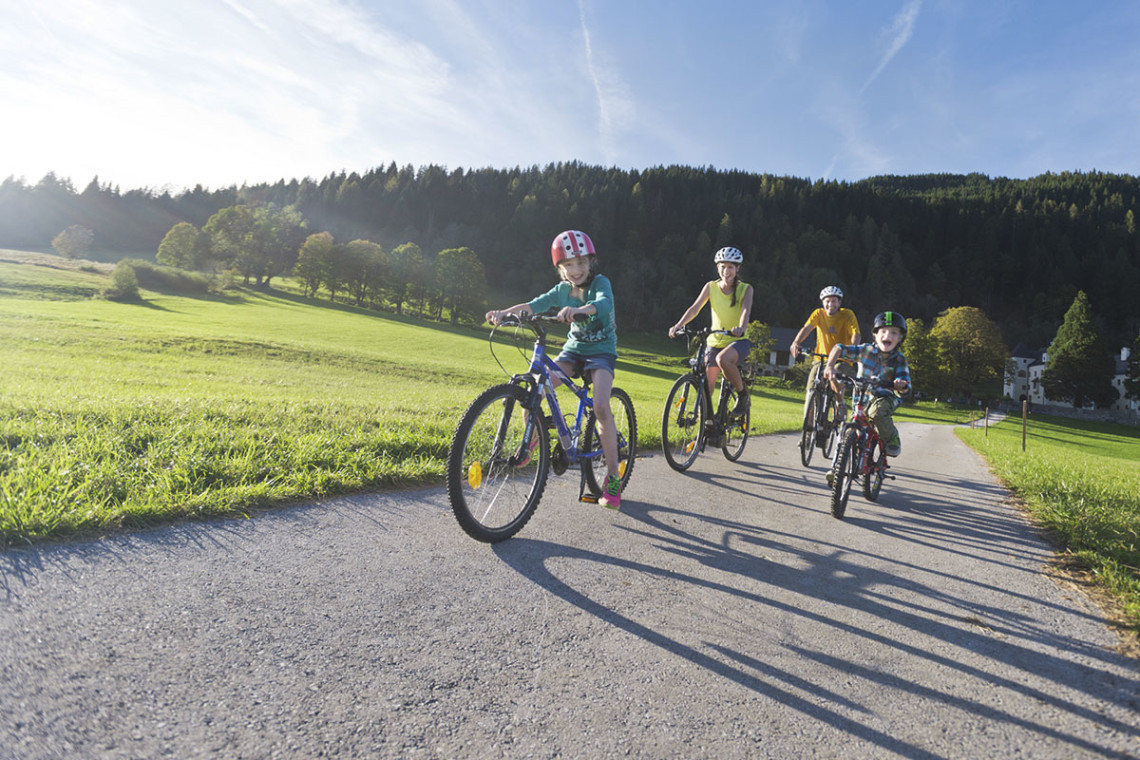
[(737, 331)]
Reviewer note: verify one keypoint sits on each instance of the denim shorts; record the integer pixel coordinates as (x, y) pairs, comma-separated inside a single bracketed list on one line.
[(581, 364), (742, 346)]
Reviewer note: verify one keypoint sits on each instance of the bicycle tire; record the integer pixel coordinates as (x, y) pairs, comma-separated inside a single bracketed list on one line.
[(625, 421), (682, 423), (491, 495), (873, 479), (807, 435), (833, 420), (736, 426), (844, 471)]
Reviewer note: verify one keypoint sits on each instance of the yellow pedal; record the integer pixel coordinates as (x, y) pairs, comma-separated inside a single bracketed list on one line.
[(589, 498)]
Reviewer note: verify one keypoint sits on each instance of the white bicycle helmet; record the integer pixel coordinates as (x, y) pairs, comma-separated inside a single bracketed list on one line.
[(830, 290), (729, 254)]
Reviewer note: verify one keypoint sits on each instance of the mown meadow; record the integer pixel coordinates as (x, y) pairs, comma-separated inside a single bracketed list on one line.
[(130, 414), (1080, 481)]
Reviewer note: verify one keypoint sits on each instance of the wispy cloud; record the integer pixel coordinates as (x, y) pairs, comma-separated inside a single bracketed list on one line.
[(613, 106), (897, 35)]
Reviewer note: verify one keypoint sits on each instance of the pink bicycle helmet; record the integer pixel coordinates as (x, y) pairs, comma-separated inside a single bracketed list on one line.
[(570, 245)]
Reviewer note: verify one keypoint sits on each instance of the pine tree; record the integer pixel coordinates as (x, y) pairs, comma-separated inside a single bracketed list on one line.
[(1080, 367), (1132, 382)]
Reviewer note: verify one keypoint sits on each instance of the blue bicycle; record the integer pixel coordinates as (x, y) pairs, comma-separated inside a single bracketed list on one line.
[(500, 454)]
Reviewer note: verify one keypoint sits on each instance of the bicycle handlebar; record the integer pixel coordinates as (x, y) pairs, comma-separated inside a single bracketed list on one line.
[(872, 381), (698, 332)]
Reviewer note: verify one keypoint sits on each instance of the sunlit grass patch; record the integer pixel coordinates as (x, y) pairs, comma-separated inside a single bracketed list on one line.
[(1079, 481)]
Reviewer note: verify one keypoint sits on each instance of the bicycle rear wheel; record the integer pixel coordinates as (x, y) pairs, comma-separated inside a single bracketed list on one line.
[(625, 421), (843, 472), (495, 479), (807, 436), (735, 426), (682, 424), (873, 479)]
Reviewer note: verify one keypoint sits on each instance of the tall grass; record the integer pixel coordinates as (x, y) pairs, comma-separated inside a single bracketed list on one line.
[(1080, 481)]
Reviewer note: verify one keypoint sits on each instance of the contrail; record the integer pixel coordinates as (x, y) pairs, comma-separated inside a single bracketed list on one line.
[(900, 32), (605, 126)]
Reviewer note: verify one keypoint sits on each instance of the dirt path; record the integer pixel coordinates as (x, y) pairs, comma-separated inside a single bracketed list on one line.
[(723, 613)]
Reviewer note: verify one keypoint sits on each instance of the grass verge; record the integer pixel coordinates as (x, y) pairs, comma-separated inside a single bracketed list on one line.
[(1078, 481)]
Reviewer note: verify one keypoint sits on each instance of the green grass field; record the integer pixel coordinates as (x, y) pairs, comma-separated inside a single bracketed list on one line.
[(132, 413), (128, 414)]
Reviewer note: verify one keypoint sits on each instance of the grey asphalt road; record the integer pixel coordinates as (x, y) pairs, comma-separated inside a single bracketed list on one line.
[(722, 613)]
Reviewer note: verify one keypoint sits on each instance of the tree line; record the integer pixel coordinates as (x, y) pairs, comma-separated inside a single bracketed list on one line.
[(1018, 249), (928, 245)]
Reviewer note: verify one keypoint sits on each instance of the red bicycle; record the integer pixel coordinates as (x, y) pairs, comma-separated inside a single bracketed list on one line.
[(862, 453)]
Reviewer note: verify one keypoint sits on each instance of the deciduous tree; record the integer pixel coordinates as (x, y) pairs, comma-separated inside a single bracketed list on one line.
[(405, 263), (921, 351), (462, 282), (366, 262), (74, 242), (971, 353), (183, 247), (312, 260)]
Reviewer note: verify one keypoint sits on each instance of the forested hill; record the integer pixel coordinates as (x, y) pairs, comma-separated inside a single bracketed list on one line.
[(1018, 249)]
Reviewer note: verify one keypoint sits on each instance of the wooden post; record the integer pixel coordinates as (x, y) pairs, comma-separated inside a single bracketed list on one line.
[(1025, 416), (987, 422)]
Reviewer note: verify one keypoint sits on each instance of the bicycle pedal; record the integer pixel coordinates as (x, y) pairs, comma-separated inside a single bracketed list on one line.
[(590, 498)]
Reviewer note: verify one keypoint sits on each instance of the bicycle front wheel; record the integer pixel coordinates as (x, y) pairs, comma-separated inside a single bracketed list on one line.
[(833, 419), (843, 472), (495, 478), (682, 424), (736, 425), (625, 422), (876, 470), (807, 435)]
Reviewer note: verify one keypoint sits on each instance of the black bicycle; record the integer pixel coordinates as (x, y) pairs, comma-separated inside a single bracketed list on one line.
[(689, 422), (500, 453), (822, 417)]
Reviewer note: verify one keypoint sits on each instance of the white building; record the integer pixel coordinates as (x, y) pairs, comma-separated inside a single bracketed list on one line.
[(1027, 365)]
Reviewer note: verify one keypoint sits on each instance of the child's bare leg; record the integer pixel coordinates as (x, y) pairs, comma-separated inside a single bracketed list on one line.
[(607, 430)]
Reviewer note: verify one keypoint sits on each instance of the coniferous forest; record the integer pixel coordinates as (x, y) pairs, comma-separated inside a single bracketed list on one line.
[(1018, 249)]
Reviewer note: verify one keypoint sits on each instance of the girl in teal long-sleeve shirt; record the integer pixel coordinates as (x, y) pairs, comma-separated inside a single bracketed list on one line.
[(591, 346)]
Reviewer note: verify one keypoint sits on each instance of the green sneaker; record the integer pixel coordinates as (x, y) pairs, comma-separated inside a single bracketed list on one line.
[(611, 494)]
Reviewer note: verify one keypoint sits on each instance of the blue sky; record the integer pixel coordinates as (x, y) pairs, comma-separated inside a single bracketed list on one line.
[(219, 92)]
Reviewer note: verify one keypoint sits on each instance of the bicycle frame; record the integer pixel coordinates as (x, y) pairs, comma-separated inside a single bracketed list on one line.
[(699, 367), (542, 368), (868, 435)]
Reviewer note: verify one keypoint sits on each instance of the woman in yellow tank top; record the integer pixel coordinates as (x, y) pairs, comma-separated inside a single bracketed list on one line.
[(731, 304)]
